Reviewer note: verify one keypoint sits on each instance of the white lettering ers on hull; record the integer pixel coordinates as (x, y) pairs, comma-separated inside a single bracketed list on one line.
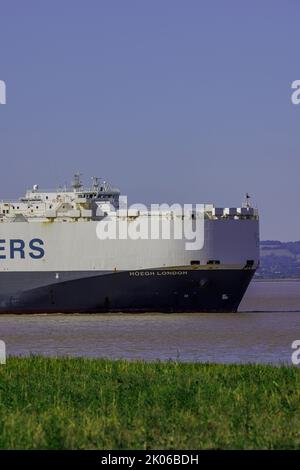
[(158, 273)]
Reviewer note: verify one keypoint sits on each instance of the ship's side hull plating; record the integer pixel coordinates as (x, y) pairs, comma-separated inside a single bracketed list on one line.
[(63, 266), (163, 290)]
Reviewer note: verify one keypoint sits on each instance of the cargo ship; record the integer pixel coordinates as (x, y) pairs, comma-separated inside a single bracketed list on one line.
[(52, 259)]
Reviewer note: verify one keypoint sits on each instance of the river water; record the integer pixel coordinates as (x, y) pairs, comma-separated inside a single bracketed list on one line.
[(262, 331)]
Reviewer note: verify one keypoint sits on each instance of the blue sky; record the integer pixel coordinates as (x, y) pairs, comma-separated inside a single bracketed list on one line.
[(172, 101)]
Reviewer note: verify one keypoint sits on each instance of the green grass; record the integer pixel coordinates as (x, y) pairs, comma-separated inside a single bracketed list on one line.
[(100, 404)]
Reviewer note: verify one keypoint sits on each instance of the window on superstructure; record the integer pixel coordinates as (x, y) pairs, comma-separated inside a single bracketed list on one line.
[(250, 262)]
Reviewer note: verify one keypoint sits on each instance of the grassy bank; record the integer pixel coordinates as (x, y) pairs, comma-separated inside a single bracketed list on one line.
[(98, 404)]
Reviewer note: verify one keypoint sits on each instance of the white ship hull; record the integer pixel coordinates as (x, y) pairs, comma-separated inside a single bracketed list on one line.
[(64, 267)]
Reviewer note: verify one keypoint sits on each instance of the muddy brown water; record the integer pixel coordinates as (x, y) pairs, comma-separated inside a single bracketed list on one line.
[(262, 331)]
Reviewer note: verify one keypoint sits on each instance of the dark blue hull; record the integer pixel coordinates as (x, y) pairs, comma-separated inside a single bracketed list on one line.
[(207, 290)]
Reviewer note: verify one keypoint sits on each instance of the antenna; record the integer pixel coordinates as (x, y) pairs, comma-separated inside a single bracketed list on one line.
[(76, 183), (96, 182), (247, 200)]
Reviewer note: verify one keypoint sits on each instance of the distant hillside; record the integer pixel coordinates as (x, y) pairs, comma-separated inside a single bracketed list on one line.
[(279, 259)]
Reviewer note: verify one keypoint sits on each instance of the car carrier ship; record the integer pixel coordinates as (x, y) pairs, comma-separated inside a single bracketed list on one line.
[(52, 260)]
